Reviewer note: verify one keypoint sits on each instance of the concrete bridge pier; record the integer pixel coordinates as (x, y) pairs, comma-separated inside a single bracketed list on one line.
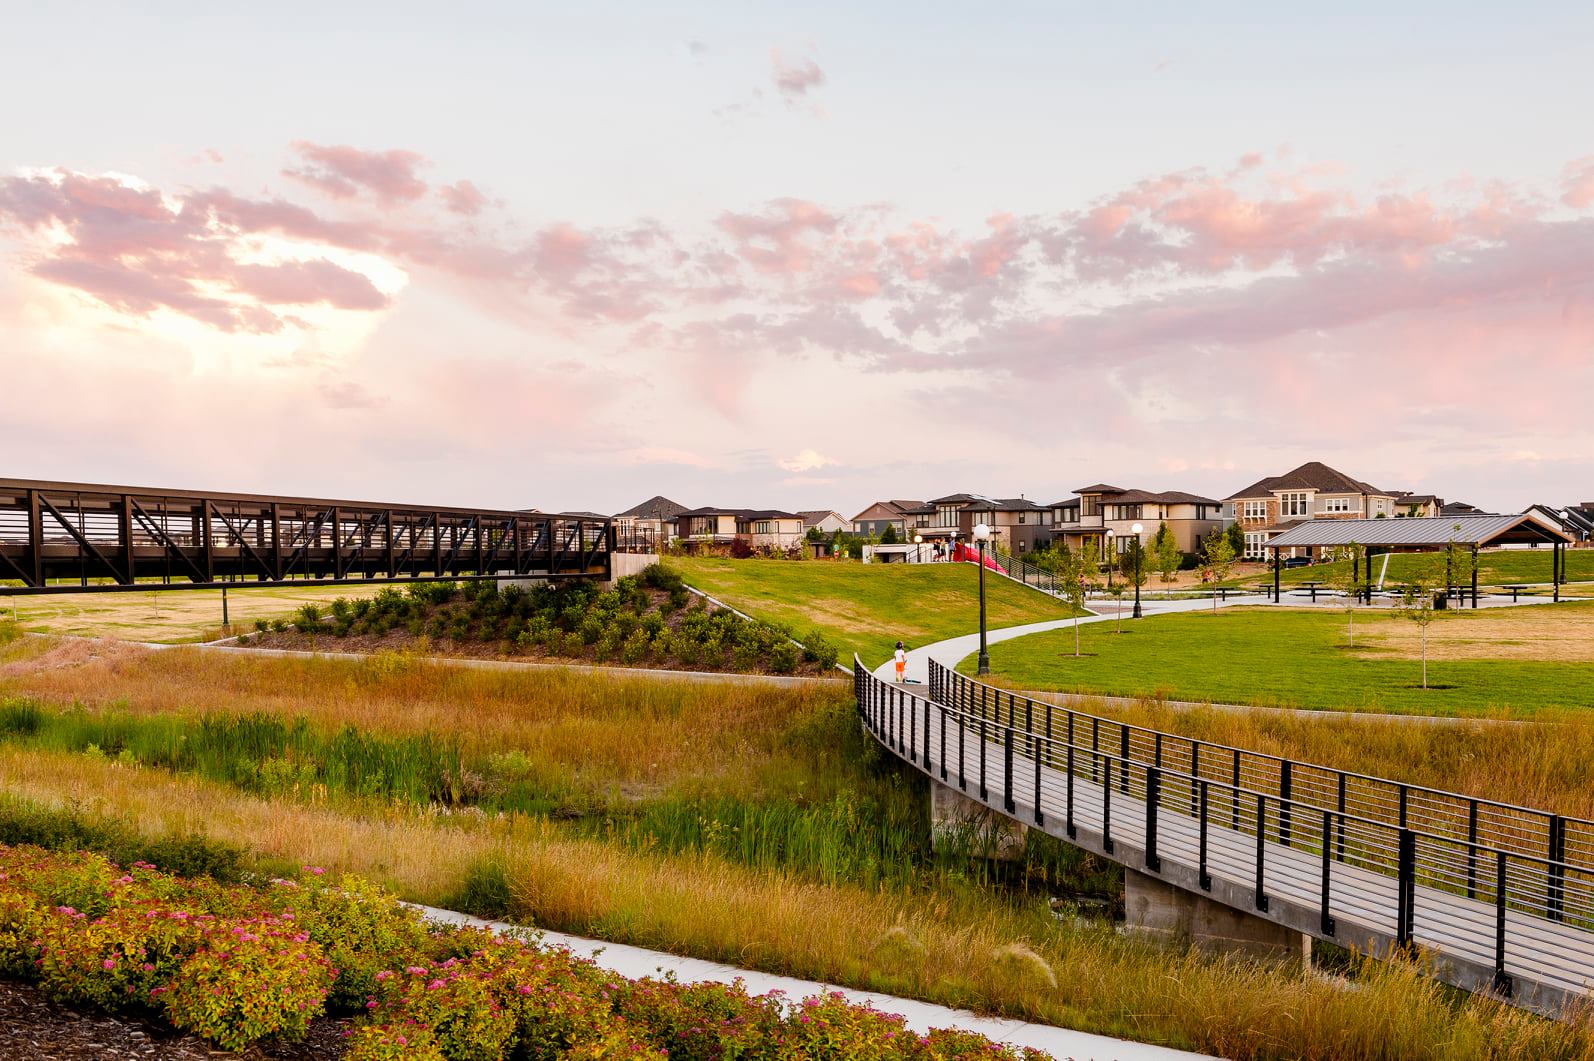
[(1157, 910), (961, 823)]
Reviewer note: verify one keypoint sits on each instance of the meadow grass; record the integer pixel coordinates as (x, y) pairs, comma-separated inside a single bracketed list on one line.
[(1486, 662), (951, 945), (867, 608), (168, 617)]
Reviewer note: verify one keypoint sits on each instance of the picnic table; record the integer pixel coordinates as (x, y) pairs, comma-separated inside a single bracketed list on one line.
[(1515, 589), (1310, 587)]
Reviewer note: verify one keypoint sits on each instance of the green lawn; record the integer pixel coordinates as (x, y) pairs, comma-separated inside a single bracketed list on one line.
[(1514, 661), (1499, 567), (867, 607)]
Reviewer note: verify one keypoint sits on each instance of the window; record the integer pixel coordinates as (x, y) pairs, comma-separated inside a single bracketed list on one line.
[(1023, 543), (1021, 516), (1295, 504), (1255, 510), (1254, 542), (1336, 504), (946, 516), (761, 527)]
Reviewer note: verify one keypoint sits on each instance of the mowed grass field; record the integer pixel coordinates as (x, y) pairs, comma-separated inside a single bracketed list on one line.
[(1509, 661), (867, 608), (1498, 567), (166, 616)]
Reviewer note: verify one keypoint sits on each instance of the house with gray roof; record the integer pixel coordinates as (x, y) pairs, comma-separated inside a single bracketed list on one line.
[(1101, 518)]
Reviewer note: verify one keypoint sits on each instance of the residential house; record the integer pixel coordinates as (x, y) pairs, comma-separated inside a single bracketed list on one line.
[(1017, 524), (873, 521), (1271, 506), (1103, 512), (760, 529), (1417, 506), (1460, 508), (825, 521), (652, 520), (1577, 523)]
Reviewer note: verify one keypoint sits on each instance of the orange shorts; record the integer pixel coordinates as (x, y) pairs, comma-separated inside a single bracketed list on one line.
[(900, 668)]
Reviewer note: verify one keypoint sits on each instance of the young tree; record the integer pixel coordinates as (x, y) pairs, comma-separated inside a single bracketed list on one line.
[(1352, 582), (1164, 554), (1073, 579), (1459, 562), (1416, 604), (1236, 535), (1118, 589), (1217, 558), (889, 535)]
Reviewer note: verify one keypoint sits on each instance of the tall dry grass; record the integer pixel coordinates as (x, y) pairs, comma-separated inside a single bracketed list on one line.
[(948, 948), (622, 730), (1547, 763)]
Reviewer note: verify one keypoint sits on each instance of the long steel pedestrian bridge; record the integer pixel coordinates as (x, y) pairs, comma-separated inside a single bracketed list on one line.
[(1498, 898), (77, 537)]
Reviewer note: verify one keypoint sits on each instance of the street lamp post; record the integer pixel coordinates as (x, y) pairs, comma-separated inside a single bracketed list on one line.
[(918, 548), (1136, 529), (982, 534)]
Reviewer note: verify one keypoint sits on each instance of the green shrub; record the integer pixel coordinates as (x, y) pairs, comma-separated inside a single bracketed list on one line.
[(400, 1040), (218, 991), (636, 647), (573, 644), (307, 620), (9, 631), (784, 657), (361, 929), (818, 650)]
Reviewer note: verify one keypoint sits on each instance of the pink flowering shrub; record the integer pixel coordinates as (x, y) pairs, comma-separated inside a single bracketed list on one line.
[(251, 979), (402, 1041), (236, 965), (361, 929)]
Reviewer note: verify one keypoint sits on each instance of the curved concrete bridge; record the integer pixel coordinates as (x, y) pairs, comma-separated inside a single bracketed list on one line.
[(1236, 849)]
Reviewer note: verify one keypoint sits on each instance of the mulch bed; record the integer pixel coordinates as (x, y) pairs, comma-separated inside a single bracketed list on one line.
[(33, 1028)]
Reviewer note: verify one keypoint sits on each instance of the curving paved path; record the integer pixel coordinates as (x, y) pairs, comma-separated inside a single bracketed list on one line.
[(954, 650)]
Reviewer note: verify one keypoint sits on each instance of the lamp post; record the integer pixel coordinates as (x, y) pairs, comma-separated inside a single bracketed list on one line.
[(918, 548), (1136, 529), (982, 534)]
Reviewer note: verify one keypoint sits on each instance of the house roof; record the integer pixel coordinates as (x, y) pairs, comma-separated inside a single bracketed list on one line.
[(741, 513), (1138, 497), (1313, 475), (812, 517), (955, 499), (656, 507), (896, 507), (1430, 531)]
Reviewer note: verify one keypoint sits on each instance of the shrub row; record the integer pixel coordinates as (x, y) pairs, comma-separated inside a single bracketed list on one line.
[(623, 624), (235, 965)]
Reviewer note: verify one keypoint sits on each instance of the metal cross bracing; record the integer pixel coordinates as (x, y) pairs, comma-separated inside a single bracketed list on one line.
[(1500, 897), (59, 537)]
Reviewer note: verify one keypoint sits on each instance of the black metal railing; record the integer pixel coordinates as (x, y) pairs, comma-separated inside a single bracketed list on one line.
[(1504, 893)]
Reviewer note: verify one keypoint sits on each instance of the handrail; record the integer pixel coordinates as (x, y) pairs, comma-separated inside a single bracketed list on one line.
[(1488, 877), (939, 670)]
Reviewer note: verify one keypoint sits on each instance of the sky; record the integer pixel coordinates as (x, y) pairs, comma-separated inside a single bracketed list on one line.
[(796, 256)]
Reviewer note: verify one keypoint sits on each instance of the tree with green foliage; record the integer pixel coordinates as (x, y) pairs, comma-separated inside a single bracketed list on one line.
[(1073, 580), (1417, 604), (1117, 591), (889, 535), (1217, 557), (1352, 580), (1164, 555), (1236, 535)]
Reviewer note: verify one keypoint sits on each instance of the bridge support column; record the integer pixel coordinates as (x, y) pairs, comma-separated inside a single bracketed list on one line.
[(1157, 910), (960, 823), (623, 564)]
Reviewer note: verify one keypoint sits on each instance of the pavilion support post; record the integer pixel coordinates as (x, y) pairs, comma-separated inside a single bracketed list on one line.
[(1474, 576), (1555, 570), (1278, 565)]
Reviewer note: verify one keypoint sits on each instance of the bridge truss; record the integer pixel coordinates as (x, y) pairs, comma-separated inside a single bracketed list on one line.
[(76, 537)]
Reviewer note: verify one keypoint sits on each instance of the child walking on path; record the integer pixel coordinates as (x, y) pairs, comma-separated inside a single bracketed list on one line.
[(902, 662)]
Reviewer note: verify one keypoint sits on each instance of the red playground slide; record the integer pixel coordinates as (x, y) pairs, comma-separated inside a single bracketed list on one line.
[(970, 554)]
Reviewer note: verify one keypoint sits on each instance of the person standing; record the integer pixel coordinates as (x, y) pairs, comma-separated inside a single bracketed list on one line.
[(902, 662)]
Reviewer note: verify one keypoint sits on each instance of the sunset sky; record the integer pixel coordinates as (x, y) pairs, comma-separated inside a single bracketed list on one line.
[(796, 256)]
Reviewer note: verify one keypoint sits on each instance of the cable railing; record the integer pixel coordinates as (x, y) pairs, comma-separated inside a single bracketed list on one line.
[(1504, 895)]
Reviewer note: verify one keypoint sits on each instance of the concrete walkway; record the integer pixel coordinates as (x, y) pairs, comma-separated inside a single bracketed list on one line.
[(636, 962)]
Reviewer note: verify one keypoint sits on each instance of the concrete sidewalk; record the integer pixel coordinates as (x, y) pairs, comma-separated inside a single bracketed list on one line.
[(920, 1016)]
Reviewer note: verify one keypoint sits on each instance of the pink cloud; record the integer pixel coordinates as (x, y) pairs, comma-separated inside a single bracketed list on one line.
[(342, 172), (1577, 182), (462, 197), (794, 79)]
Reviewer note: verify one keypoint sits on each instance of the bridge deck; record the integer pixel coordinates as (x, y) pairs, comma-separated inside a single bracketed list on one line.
[(1548, 962)]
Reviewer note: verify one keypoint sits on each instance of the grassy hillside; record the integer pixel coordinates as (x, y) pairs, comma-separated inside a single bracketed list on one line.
[(1517, 660), (167, 617), (867, 607)]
